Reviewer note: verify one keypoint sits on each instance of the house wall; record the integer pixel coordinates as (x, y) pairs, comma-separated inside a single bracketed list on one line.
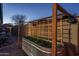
[(1, 14)]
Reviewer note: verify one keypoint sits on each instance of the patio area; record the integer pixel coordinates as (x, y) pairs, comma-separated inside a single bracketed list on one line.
[(11, 50)]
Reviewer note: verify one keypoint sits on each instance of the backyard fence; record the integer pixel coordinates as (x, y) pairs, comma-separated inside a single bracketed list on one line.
[(54, 35), (41, 28)]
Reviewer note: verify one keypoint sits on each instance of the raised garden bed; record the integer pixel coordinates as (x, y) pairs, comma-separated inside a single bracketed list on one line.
[(39, 41), (36, 47)]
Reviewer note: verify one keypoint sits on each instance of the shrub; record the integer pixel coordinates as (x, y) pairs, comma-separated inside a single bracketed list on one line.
[(41, 42)]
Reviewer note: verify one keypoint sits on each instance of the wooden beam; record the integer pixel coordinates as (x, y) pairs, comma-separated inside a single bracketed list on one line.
[(61, 9), (54, 30)]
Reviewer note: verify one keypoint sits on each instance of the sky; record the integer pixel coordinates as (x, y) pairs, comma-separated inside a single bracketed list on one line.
[(34, 11), (31, 11)]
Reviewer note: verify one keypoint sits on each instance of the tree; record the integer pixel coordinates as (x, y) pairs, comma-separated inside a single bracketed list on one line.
[(19, 20)]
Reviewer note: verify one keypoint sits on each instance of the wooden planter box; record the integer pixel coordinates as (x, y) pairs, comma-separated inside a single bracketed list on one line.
[(32, 49)]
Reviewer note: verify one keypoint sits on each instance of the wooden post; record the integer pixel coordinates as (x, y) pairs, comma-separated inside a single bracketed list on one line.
[(18, 36), (78, 40), (61, 30), (61, 36), (36, 29), (54, 30), (31, 29), (39, 28), (48, 28)]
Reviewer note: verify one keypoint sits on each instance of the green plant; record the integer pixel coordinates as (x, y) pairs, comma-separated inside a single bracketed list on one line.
[(41, 42)]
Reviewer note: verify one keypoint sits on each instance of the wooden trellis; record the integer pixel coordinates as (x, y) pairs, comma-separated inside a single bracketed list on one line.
[(57, 7), (46, 28)]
